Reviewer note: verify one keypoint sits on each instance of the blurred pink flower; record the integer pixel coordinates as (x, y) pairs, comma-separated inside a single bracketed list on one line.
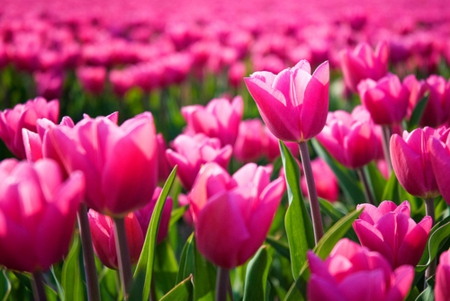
[(92, 79), (325, 180), (441, 288)]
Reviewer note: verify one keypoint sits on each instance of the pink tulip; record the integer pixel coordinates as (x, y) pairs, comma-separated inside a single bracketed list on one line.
[(24, 116), (191, 152), (92, 79), (440, 160), (362, 63), (236, 73), (136, 225), (391, 231), (119, 163), (293, 103), (232, 214), (385, 99), (416, 90), (272, 146), (250, 142), (37, 213), (325, 180), (441, 288), (436, 112), (350, 138), (219, 119), (49, 83), (353, 273), (411, 161)]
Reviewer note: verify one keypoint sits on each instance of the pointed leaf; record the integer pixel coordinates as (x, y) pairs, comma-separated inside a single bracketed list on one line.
[(186, 266), (204, 278), (71, 277), (181, 292), (281, 247), (5, 286), (256, 276), (417, 113), (165, 267)]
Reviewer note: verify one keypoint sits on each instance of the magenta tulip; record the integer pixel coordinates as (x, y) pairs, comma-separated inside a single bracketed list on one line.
[(250, 142), (385, 99), (24, 116), (293, 103), (362, 63), (191, 152), (437, 110), (232, 214), (219, 119), (353, 273), (119, 163), (92, 79), (411, 161), (391, 231), (441, 288), (350, 138), (325, 180), (440, 160), (38, 210)]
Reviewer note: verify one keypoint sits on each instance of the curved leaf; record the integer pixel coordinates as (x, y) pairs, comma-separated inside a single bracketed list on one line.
[(181, 292), (256, 276), (71, 277)]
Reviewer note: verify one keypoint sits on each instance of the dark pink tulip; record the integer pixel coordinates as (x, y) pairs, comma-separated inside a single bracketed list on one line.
[(92, 79), (437, 110), (353, 273), (49, 83), (293, 103), (385, 99), (24, 116), (119, 163), (441, 288), (232, 214), (191, 152), (37, 213), (236, 73), (362, 63), (391, 231), (220, 119), (440, 160), (411, 161), (350, 138), (272, 146), (325, 180), (416, 90), (250, 142)]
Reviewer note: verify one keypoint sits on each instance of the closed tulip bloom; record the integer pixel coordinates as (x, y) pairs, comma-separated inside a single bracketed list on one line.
[(294, 102), (250, 141), (441, 288), (362, 63), (24, 116), (92, 79), (232, 214), (385, 99), (325, 180), (437, 110), (119, 163), (411, 161), (391, 231), (350, 138), (353, 273), (191, 152), (220, 119), (440, 161), (38, 210)]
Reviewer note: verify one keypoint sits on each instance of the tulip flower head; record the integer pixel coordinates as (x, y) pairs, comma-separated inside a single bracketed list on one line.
[(441, 288), (294, 102), (325, 180), (38, 211), (440, 160), (391, 231), (353, 273)]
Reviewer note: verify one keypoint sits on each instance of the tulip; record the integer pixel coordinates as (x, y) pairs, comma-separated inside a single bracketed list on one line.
[(350, 138), (119, 163), (385, 99), (250, 142), (411, 161), (436, 112), (232, 214), (362, 63), (440, 161), (416, 90), (441, 288), (391, 231), (49, 83), (272, 146), (353, 273), (24, 116), (293, 103), (191, 152), (37, 213), (92, 79), (219, 119), (326, 182)]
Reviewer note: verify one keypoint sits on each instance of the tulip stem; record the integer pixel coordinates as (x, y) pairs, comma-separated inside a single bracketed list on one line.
[(312, 192), (367, 191), (429, 210), (90, 269), (123, 256), (38, 287), (387, 132), (222, 283)]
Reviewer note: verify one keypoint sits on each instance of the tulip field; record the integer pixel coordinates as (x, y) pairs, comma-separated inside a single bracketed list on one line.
[(239, 150)]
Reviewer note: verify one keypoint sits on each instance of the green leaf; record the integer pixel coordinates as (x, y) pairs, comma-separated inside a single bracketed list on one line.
[(177, 213), (5, 285), (71, 278), (428, 293), (417, 113), (391, 190), (181, 292), (165, 267), (349, 184), (256, 276), (376, 181), (281, 247), (439, 234), (186, 266), (109, 284), (298, 224), (144, 268), (297, 292), (330, 211), (204, 277)]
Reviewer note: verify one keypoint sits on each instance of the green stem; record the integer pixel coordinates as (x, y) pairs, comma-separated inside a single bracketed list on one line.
[(429, 210), (312, 192), (387, 132), (90, 269), (38, 287), (222, 283), (123, 256), (365, 182)]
